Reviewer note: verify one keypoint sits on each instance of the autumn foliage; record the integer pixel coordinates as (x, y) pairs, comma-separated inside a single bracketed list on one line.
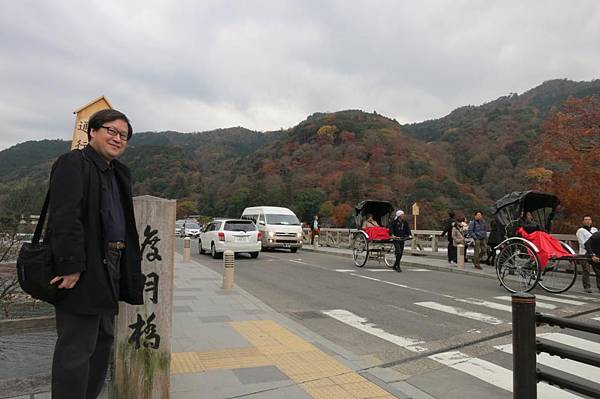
[(568, 160)]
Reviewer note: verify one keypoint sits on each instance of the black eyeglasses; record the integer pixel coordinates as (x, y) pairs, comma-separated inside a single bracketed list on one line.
[(114, 132)]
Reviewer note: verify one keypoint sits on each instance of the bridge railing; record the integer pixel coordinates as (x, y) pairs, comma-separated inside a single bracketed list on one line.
[(425, 242)]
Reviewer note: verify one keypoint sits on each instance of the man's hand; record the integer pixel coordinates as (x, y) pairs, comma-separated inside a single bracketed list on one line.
[(595, 259), (67, 282)]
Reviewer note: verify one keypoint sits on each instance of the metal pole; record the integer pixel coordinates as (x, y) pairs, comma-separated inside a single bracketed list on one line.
[(524, 361), (460, 257), (228, 269)]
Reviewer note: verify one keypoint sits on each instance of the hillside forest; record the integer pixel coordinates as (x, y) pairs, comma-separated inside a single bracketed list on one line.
[(544, 139)]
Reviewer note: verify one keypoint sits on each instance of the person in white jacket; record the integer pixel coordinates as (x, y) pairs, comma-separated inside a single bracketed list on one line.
[(583, 234)]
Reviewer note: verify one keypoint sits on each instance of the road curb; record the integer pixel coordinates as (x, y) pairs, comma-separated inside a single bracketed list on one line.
[(415, 264)]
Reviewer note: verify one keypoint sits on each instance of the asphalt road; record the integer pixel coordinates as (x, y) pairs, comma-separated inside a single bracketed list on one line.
[(401, 320)]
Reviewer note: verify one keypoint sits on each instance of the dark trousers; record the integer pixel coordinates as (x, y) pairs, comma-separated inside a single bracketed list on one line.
[(452, 253), (399, 250), (585, 273), (81, 354)]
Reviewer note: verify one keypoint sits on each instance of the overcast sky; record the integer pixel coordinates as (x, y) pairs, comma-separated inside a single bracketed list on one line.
[(265, 65)]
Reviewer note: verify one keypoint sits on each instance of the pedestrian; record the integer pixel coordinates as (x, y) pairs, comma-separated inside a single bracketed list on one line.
[(458, 237), (314, 230), (478, 231), (495, 238), (401, 232), (95, 246), (447, 232), (583, 234)]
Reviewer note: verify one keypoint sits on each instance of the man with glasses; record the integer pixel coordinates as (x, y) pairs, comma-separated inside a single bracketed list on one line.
[(95, 248)]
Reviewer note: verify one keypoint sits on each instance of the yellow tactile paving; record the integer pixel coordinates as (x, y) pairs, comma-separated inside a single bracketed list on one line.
[(317, 373)]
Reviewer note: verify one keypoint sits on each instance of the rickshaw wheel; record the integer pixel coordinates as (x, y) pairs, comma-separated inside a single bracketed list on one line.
[(389, 256), (360, 251), (559, 275), (517, 267)]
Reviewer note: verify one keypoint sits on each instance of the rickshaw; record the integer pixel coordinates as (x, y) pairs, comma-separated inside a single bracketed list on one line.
[(366, 247), (524, 258)]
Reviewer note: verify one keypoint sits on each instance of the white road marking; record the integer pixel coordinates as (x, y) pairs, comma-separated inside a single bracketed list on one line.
[(461, 312), (363, 324), (297, 261), (379, 270), (402, 286), (493, 374), (568, 366), (596, 318), (410, 269), (540, 305), (345, 270), (583, 298), (487, 304), (565, 339), (560, 300)]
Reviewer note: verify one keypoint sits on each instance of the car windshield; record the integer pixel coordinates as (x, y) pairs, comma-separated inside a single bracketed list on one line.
[(282, 219), (239, 225), (192, 226)]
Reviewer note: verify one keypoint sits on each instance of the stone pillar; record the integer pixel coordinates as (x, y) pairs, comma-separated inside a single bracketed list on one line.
[(143, 333), (460, 260), (434, 243)]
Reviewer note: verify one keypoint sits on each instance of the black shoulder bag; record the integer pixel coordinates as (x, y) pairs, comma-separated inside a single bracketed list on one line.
[(34, 263)]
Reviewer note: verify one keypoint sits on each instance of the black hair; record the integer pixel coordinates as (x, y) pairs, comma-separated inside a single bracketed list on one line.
[(451, 214), (107, 115), (477, 211)]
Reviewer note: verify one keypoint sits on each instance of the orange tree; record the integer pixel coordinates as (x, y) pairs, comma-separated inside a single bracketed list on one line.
[(567, 158)]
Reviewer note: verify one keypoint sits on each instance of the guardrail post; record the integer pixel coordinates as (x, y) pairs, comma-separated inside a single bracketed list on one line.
[(524, 352), (434, 243), (228, 269), (187, 248)]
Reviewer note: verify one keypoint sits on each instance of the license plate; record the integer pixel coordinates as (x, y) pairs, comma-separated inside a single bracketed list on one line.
[(286, 245)]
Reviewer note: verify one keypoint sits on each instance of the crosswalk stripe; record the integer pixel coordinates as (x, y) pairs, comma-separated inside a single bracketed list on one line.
[(596, 318), (568, 366), (570, 340), (461, 312), (494, 374), (540, 305), (560, 300), (360, 323), (487, 304), (345, 270), (591, 299)]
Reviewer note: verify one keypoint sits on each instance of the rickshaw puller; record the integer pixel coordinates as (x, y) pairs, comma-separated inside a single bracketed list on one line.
[(400, 229)]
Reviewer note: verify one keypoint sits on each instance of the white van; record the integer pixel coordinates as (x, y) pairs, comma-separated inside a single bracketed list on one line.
[(279, 226)]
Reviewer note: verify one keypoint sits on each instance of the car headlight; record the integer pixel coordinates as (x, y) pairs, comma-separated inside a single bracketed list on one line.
[(299, 235), (271, 234)]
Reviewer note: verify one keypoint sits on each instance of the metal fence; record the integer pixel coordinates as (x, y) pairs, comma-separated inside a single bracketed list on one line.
[(526, 373)]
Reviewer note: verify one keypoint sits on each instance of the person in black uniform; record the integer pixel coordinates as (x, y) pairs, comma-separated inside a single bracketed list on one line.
[(400, 229)]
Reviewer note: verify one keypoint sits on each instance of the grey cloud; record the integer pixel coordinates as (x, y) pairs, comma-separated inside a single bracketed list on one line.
[(192, 66)]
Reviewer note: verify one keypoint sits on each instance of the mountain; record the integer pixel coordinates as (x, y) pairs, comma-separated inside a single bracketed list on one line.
[(330, 161)]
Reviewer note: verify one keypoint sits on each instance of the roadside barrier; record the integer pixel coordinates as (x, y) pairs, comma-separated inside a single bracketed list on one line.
[(526, 374)]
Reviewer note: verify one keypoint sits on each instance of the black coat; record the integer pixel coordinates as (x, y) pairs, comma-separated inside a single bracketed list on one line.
[(400, 228), (76, 238)]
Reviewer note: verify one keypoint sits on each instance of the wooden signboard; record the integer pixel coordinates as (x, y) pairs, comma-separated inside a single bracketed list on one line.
[(82, 116), (415, 209)]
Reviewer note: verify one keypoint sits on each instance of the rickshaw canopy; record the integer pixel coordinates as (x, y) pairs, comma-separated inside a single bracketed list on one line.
[(513, 206), (382, 212)]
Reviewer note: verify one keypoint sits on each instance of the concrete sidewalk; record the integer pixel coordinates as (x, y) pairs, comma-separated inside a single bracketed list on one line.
[(229, 344)]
